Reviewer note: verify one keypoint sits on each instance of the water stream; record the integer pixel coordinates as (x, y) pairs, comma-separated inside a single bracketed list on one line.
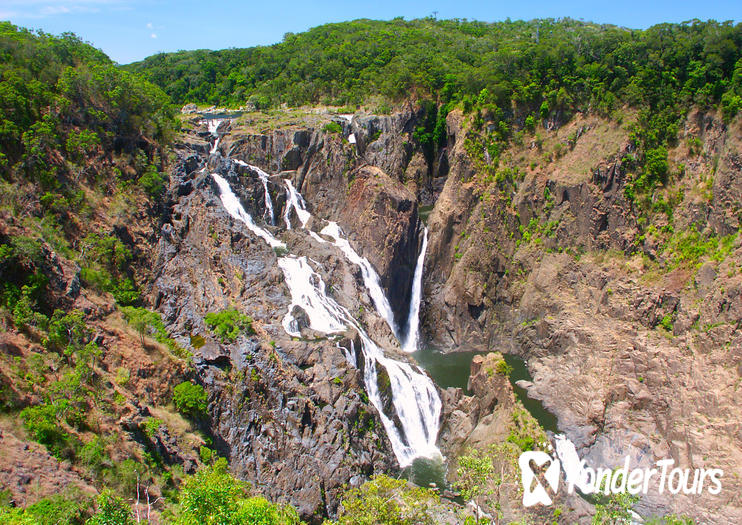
[(414, 396), (412, 338)]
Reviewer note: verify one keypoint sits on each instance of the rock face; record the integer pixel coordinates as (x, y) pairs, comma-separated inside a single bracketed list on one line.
[(483, 418), (534, 260), (291, 414), (635, 354), (384, 215), (343, 182)]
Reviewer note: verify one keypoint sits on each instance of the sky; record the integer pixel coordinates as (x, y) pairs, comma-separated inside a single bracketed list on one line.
[(130, 30)]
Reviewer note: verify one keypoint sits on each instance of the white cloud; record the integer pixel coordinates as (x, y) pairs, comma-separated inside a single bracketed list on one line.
[(153, 35), (149, 25)]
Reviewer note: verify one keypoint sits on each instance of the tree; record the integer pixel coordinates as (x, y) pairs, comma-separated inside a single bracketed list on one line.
[(112, 510), (228, 324), (213, 497), (190, 399), (387, 501), (474, 474)]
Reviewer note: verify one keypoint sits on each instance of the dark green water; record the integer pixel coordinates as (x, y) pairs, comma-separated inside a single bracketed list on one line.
[(446, 369), (452, 370), (546, 419)]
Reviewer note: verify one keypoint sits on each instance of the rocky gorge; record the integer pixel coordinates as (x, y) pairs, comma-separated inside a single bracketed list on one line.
[(586, 323)]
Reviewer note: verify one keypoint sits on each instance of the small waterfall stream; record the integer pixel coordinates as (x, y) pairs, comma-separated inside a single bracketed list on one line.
[(264, 179), (213, 126), (414, 396), (412, 337)]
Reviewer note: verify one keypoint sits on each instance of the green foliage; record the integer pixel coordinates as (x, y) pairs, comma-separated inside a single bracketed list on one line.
[(534, 63), (22, 281), (60, 96), (94, 456), (213, 497), (690, 247), (525, 432), (207, 455), (151, 425), (112, 510), (473, 471), (68, 508), (228, 324), (152, 182), (149, 323), (105, 260), (616, 511), (190, 399), (387, 501), (503, 368), (42, 423), (671, 519), (332, 127)]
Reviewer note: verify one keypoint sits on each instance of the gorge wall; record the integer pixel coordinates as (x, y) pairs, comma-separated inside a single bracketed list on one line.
[(633, 348)]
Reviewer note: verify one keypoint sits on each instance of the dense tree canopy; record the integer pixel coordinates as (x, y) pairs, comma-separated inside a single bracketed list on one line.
[(62, 98), (545, 64)]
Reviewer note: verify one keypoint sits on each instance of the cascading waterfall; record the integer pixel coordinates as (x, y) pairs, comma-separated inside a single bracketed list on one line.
[(212, 125), (234, 207), (370, 277), (294, 201), (263, 176), (414, 396), (412, 337)]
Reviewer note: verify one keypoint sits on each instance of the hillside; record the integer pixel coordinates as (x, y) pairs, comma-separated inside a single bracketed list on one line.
[(205, 318)]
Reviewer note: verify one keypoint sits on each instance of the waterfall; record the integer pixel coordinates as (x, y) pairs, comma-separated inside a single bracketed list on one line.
[(370, 277), (263, 176), (234, 207), (414, 397), (295, 201), (413, 317), (213, 125)]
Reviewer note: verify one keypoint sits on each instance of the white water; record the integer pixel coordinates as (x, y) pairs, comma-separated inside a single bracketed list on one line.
[(412, 337), (212, 125), (370, 277), (263, 176), (234, 207), (414, 396), (295, 201)]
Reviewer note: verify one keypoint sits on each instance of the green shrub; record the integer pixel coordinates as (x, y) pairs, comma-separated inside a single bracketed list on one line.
[(525, 432), (190, 399), (387, 501), (228, 324), (503, 368), (151, 425), (112, 510), (94, 455), (332, 127), (69, 508), (42, 423), (206, 454), (148, 323), (152, 182)]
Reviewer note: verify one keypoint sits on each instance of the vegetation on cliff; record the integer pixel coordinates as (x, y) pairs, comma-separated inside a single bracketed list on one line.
[(509, 75), (547, 65)]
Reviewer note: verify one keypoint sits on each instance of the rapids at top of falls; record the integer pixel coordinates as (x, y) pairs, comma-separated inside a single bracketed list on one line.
[(414, 396)]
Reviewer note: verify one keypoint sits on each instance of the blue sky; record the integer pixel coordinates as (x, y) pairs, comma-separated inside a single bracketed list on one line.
[(129, 30)]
